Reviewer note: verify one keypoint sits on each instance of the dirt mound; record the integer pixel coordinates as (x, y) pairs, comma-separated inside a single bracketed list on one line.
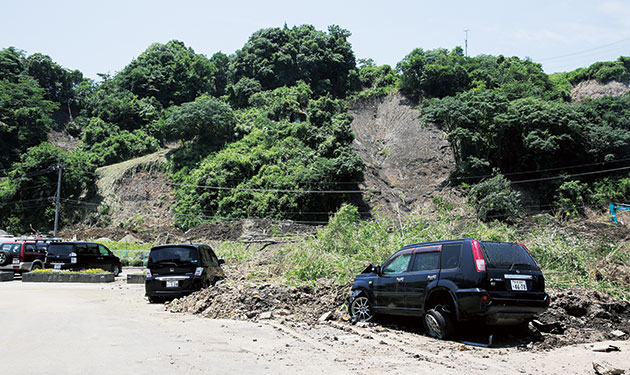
[(163, 234), (248, 229), (579, 317), (242, 300), (406, 162), (595, 89)]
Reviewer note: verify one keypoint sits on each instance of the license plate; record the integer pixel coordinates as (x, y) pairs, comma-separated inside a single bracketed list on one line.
[(172, 284), (16, 261), (519, 285), (57, 266)]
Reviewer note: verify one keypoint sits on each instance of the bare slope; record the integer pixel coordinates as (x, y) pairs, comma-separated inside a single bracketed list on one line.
[(406, 162), (593, 89), (136, 193)]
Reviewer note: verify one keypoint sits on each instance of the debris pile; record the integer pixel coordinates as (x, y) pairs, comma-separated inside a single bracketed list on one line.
[(578, 317), (249, 301)]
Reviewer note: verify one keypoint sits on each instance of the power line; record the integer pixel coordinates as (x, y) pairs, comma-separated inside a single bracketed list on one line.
[(584, 51)]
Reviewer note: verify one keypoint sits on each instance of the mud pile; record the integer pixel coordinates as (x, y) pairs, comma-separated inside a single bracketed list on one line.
[(579, 317), (237, 300)]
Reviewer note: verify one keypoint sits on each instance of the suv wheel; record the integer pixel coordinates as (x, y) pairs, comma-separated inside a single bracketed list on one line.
[(438, 323), (36, 266), (361, 309), (5, 258)]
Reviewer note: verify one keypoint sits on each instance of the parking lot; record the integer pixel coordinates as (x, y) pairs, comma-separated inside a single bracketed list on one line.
[(53, 328)]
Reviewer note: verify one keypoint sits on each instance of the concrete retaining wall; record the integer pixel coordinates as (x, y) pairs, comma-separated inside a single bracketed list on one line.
[(6, 276), (67, 278)]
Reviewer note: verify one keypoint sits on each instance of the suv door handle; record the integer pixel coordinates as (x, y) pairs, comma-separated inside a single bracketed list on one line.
[(400, 279), (431, 277)]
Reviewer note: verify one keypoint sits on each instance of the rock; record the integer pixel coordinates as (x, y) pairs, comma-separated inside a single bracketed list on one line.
[(605, 368), (130, 238), (345, 317), (602, 347), (325, 316), (265, 315), (617, 333)]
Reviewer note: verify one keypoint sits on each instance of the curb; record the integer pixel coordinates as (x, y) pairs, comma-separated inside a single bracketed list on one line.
[(67, 278), (6, 276)]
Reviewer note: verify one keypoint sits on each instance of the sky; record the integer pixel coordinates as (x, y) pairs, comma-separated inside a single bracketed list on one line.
[(104, 36)]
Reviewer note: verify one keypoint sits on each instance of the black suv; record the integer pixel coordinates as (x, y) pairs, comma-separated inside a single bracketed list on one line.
[(453, 281), (76, 256), (178, 270)]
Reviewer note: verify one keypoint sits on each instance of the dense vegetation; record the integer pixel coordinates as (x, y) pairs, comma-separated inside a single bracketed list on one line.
[(263, 131)]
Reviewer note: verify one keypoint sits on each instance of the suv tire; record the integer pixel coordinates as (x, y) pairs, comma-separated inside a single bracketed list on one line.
[(438, 323), (361, 308), (5, 258)]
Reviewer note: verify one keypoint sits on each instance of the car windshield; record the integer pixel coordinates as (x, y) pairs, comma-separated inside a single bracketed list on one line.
[(14, 248), (177, 255), (60, 249), (508, 255)]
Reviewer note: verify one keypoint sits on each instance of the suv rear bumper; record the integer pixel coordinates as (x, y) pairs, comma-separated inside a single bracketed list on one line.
[(17, 267), (504, 308)]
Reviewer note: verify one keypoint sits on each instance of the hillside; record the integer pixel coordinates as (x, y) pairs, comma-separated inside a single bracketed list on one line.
[(406, 163)]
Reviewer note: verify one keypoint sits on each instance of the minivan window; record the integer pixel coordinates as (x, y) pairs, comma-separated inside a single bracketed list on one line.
[(174, 255), (103, 250), (60, 249), (507, 255)]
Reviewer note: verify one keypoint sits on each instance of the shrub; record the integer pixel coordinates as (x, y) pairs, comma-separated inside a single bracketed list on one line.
[(494, 198)]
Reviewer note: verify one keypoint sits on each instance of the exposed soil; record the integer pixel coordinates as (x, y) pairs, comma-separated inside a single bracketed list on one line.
[(406, 163), (594, 89), (249, 229)]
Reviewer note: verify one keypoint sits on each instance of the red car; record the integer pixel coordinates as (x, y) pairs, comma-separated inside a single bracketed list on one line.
[(22, 256)]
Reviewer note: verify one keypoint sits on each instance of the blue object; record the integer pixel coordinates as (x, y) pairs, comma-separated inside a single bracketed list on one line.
[(614, 207)]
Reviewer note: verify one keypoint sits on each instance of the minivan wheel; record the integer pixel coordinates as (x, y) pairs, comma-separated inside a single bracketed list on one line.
[(115, 270), (438, 323), (361, 309)]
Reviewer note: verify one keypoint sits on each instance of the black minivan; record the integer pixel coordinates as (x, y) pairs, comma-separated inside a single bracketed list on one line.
[(76, 256), (177, 270)]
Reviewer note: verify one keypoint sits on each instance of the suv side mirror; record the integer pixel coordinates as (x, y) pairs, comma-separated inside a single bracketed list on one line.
[(221, 261), (376, 269)]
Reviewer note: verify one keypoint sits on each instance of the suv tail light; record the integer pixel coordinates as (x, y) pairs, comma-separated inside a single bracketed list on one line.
[(147, 272), (480, 262), (530, 254), (73, 258), (198, 271)]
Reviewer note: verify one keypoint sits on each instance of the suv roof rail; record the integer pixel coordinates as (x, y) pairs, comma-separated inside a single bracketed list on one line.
[(40, 238)]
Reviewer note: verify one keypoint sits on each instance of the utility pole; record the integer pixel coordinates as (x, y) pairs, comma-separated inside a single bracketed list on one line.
[(466, 42), (57, 197)]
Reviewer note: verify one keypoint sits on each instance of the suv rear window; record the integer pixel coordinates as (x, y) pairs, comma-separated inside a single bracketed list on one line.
[(14, 248), (507, 255), (60, 249), (174, 255)]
